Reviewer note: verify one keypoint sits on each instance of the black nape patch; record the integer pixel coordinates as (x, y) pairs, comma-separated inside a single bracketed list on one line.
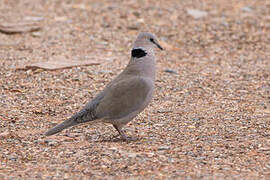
[(138, 53)]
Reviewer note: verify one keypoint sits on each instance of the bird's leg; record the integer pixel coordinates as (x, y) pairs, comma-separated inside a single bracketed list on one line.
[(120, 132), (124, 137)]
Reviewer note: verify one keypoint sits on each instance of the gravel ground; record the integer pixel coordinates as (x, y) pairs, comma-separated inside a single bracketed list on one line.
[(210, 116)]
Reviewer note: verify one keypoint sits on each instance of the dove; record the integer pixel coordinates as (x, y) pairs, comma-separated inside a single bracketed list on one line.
[(126, 95)]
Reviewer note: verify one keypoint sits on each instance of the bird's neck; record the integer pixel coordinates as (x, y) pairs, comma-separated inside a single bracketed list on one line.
[(142, 66)]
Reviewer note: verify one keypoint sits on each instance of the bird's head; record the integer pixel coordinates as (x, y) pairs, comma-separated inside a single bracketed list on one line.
[(144, 43)]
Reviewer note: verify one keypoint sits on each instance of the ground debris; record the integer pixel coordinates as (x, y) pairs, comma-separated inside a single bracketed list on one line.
[(196, 14), (19, 27), (59, 63)]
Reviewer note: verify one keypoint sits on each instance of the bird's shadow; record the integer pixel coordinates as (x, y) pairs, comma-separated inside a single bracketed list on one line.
[(115, 138)]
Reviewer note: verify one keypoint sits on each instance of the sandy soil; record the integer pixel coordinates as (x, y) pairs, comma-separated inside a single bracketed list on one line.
[(209, 119)]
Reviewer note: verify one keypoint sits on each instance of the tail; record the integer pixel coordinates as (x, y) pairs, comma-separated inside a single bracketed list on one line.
[(85, 115), (60, 127)]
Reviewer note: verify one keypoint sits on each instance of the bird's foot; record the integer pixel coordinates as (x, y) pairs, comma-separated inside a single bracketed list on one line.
[(122, 134)]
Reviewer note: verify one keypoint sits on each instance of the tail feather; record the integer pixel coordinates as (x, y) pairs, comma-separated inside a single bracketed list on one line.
[(85, 115), (60, 127)]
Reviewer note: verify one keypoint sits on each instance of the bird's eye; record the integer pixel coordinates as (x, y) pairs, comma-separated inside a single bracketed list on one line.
[(151, 39)]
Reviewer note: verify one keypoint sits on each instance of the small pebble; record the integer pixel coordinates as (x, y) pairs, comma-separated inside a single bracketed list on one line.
[(196, 14), (170, 71), (132, 155), (246, 9), (113, 149), (12, 158), (163, 148), (36, 34), (51, 142)]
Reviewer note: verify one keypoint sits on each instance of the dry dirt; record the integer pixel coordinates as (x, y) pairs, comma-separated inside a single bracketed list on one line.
[(210, 116)]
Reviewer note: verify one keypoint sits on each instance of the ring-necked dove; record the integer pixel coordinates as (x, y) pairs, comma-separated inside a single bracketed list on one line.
[(126, 95)]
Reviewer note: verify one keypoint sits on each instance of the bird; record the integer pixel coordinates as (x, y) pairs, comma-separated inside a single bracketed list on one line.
[(126, 95)]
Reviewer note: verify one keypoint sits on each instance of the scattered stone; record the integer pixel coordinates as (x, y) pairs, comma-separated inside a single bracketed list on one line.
[(264, 149), (105, 71), (136, 13), (113, 148), (60, 62), (19, 27), (51, 142), (196, 119), (196, 14), (33, 18), (12, 157), (133, 27), (170, 71), (132, 155), (163, 148), (171, 160), (164, 111), (246, 9), (61, 18), (4, 134), (36, 34)]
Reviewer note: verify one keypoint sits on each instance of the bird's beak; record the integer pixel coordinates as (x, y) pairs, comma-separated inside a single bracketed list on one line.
[(159, 46)]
